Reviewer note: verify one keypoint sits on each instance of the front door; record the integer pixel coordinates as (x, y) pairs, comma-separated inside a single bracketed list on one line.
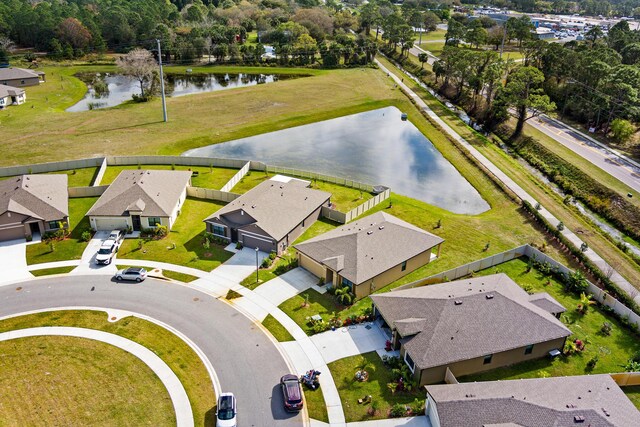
[(135, 219)]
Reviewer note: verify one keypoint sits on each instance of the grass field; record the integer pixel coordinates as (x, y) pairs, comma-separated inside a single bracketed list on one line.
[(187, 234), (436, 45), (613, 351), (54, 270), (180, 277), (633, 393), (82, 177), (214, 178), (72, 247), (76, 381), (194, 121), (182, 360), (430, 36)]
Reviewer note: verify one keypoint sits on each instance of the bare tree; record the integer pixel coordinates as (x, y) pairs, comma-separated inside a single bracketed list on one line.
[(139, 64), (6, 44)]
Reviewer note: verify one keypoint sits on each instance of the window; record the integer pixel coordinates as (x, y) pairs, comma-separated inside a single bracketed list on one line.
[(409, 361), (404, 265), (348, 283), (53, 225), (487, 359), (219, 230), (528, 349), (153, 221)]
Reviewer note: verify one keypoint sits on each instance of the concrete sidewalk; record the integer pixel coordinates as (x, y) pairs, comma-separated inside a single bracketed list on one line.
[(181, 405), (288, 285), (349, 341), (519, 191)]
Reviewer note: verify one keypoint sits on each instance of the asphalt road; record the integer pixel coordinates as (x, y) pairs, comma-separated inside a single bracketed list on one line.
[(246, 361), (598, 156)]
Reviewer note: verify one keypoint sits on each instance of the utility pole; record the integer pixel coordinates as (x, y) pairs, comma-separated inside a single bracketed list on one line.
[(504, 36), (164, 103)]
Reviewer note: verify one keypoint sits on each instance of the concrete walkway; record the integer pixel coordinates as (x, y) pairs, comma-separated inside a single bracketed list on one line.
[(13, 261), (349, 341), (519, 191), (421, 421), (181, 405)]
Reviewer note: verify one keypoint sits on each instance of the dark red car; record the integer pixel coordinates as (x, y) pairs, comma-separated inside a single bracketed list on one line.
[(291, 393)]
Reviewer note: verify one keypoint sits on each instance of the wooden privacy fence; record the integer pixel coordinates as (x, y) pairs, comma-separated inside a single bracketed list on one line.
[(236, 178), (599, 295), (92, 191), (626, 378), (51, 167), (211, 194)]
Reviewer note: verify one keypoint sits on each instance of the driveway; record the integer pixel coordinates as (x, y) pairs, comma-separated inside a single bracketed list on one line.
[(13, 261), (88, 261), (288, 285), (246, 361), (349, 341), (229, 274)]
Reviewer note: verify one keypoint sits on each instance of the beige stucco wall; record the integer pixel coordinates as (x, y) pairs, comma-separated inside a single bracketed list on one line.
[(310, 265), (472, 366), (31, 81), (393, 274)]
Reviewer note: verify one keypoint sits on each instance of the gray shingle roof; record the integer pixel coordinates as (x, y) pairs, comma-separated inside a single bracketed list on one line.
[(546, 302), (43, 197), (437, 331), (539, 402), (17, 73), (369, 246), (277, 207), (155, 192), (10, 91)]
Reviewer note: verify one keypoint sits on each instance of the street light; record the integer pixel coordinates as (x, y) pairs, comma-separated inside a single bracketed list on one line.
[(257, 265)]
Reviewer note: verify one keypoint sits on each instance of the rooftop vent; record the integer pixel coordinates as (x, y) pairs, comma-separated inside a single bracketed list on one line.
[(253, 206), (369, 232), (306, 197), (458, 302), (381, 227), (578, 419), (489, 296)]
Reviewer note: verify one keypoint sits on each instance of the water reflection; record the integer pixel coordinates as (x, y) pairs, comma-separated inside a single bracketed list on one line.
[(109, 90), (375, 147)]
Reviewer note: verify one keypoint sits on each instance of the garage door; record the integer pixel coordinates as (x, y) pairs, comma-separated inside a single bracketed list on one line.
[(108, 224), (252, 242), (12, 233)]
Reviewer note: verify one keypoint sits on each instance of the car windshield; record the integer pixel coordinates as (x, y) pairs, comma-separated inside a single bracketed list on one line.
[(226, 414), (104, 251)]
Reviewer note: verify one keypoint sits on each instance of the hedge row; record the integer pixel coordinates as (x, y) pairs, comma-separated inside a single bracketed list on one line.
[(598, 197)]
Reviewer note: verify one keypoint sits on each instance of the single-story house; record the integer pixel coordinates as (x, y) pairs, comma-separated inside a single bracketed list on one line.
[(270, 216), (468, 326), (141, 199), (20, 77), (31, 204), (11, 95), (587, 400), (368, 254)]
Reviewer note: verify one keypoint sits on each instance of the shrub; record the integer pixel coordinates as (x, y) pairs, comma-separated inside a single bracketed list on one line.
[(85, 236), (266, 263), (398, 410), (272, 255), (161, 231), (417, 407), (239, 245), (606, 328), (592, 362)]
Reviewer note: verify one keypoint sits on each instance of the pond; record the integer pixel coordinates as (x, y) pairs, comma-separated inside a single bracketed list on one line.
[(108, 90), (375, 147)]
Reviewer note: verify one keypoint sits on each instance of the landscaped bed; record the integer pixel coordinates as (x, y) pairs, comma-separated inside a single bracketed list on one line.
[(76, 381), (71, 247), (206, 177), (187, 235), (611, 350), (182, 360)]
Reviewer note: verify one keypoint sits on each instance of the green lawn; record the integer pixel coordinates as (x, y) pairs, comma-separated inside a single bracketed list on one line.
[(322, 304), (250, 180), (54, 270), (316, 406), (277, 330), (433, 47), (188, 236), (180, 277), (214, 178), (351, 390), (430, 36), (633, 393), (184, 362), (82, 177), (72, 247), (613, 351)]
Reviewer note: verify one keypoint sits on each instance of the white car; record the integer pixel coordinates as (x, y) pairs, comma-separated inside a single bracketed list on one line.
[(116, 235), (106, 252), (136, 274), (226, 411)]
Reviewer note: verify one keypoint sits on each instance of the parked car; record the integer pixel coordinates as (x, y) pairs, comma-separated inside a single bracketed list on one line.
[(291, 392), (137, 274), (226, 411), (106, 252), (116, 235)]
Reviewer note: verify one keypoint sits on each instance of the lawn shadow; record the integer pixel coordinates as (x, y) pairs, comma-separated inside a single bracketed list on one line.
[(210, 417), (277, 405)]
